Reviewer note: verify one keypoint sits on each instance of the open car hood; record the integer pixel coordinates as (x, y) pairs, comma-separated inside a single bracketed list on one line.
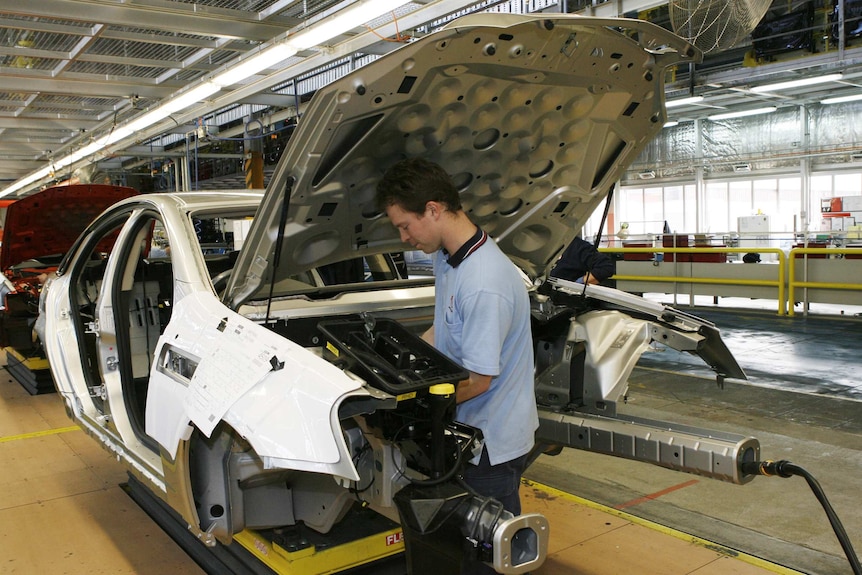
[(534, 117), (40, 229)]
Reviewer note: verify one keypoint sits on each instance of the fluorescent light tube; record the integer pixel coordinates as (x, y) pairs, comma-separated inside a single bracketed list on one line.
[(670, 124), (197, 94), (683, 102), (328, 27), (777, 87), (842, 99), (268, 58), (321, 31), (331, 26), (741, 113), (26, 181), (184, 100)]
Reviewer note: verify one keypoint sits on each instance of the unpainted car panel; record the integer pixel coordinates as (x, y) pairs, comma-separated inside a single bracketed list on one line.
[(669, 326), (613, 339), (277, 408), (303, 378)]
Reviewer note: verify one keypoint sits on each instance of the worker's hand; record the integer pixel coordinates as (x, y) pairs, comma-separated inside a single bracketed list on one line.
[(590, 279)]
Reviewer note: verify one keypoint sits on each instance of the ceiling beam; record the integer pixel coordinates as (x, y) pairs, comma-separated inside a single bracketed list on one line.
[(271, 99), (93, 85), (71, 105), (186, 18), (56, 123)]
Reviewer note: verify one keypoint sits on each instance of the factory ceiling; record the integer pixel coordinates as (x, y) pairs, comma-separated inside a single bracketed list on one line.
[(74, 72)]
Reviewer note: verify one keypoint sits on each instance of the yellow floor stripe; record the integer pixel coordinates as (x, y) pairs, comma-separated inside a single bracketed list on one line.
[(718, 548), (40, 433)]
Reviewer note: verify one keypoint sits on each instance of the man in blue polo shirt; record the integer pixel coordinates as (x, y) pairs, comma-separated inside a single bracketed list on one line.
[(481, 321)]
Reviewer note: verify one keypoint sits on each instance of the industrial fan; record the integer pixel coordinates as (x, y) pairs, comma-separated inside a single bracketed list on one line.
[(715, 25)]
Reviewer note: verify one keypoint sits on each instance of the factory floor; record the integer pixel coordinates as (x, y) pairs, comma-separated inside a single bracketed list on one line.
[(62, 510)]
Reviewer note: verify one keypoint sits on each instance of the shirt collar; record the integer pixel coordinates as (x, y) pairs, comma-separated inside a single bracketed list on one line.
[(468, 248)]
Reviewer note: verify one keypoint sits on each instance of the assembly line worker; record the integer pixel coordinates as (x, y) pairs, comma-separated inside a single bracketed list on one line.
[(481, 321), (581, 262)]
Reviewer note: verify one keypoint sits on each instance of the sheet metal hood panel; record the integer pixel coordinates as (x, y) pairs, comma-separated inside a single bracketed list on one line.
[(534, 116), (48, 223)]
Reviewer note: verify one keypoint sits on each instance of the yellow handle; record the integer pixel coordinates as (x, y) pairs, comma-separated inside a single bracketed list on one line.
[(442, 389)]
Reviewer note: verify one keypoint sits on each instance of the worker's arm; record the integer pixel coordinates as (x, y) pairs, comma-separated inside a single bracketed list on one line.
[(428, 336), (469, 388), (601, 267)]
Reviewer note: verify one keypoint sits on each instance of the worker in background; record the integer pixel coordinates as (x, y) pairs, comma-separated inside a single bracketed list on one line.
[(481, 321), (581, 262)]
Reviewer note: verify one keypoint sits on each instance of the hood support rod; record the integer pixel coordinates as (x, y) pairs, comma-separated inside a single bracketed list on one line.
[(279, 242)]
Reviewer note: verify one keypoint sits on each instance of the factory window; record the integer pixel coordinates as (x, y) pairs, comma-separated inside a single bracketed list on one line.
[(631, 210), (674, 207), (653, 208), (647, 210), (739, 204), (789, 205), (715, 212), (765, 198), (591, 226), (848, 184)]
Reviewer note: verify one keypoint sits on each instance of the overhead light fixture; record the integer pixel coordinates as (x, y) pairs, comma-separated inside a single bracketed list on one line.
[(647, 175), (842, 99), (790, 84), (357, 14), (321, 31), (741, 113), (318, 33), (254, 65), (741, 168), (683, 102), (670, 124)]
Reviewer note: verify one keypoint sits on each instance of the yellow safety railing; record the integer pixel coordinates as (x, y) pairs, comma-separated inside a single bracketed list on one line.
[(793, 283), (777, 283)]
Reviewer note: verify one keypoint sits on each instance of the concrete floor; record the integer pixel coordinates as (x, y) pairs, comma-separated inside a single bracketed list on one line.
[(802, 402), (61, 510)]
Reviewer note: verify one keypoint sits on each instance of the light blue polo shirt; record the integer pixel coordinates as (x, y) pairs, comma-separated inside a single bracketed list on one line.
[(482, 322)]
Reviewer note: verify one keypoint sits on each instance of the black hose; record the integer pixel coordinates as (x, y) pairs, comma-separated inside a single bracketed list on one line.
[(456, 467), (783, 468)]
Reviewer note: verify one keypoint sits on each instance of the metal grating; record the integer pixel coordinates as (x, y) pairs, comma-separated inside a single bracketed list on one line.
[(45, 20), (30, 40), (248, 6), (142, 50), (158, 35), (77, 102), (119, 70), (307, 9), (29, 63)]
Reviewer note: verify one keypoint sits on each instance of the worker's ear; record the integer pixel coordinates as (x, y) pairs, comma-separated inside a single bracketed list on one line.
[(433, 208)]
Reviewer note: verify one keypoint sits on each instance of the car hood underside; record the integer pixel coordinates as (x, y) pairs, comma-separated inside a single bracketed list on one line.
[(534, 117)]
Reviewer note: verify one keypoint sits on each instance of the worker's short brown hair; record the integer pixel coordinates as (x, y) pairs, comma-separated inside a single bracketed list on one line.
[(412, 183)]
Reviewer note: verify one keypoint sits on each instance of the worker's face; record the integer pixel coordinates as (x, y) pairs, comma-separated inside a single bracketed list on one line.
[(418, 230)]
